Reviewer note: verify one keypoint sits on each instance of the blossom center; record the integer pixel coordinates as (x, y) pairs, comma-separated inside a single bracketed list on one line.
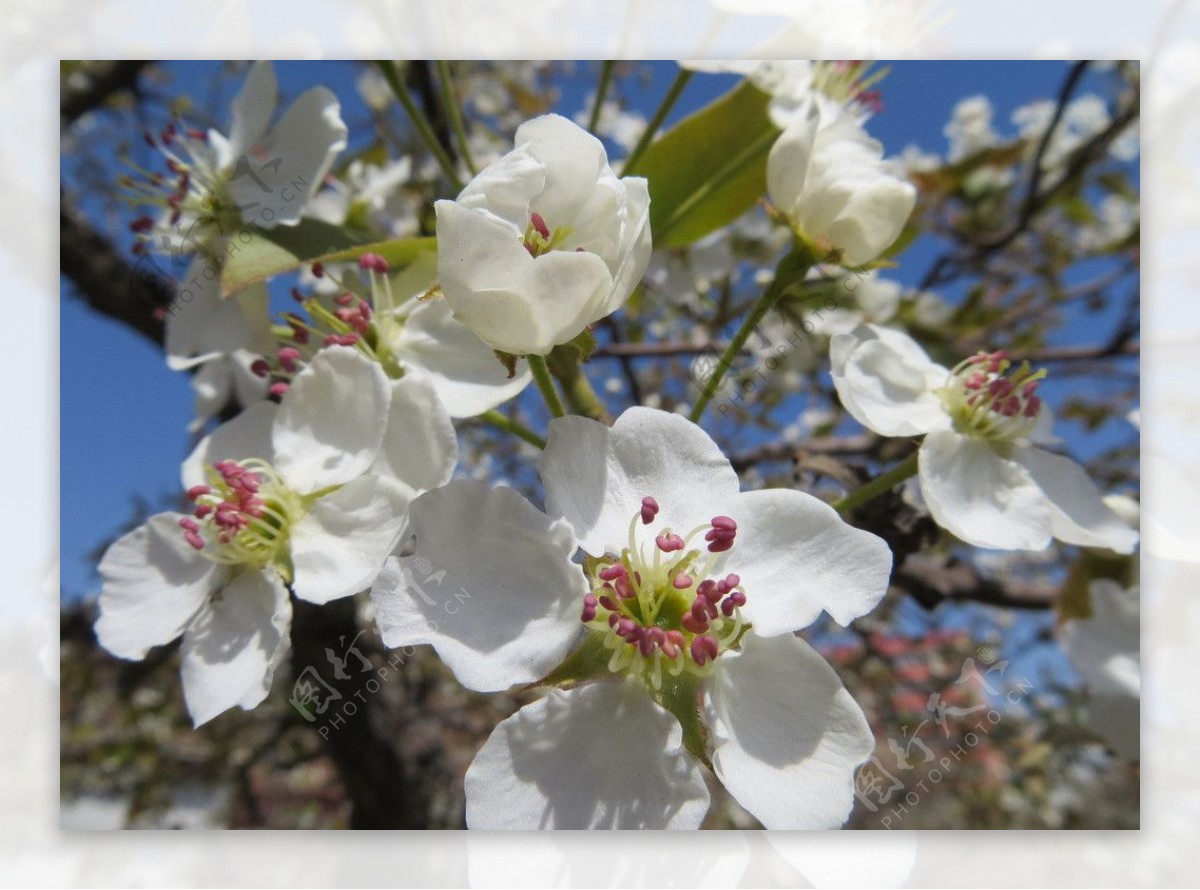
[(539, 238), (659, 604), (988, 397), (191, 186), (372, 325), (243, 515)]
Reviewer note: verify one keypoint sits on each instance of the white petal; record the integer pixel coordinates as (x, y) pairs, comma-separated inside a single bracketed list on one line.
[(332, 420), (636, 245), (1118, 718), (788, 161), (230, 651), (596, 477), (252, 109), (512, 301), (463, 369), (201, 325), (490, 585), (246, 435), (1106, 647), (887, 382), (872, 219), (275, 177), (1078, 514), (213, 385), (340, 545), (787, 735), (154, 582), (419, 447), (983, 498), (796, 556), (599, 756)]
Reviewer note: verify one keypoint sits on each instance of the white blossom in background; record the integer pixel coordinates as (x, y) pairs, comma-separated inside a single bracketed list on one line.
[(688, 596), (835, 188), (259, 174), (1082, 119), (393, 325), (622, 126), (309, 495), (982, 475), (1117, 217), (371, 197), (544, 242), (1105, 648), (970, 128)]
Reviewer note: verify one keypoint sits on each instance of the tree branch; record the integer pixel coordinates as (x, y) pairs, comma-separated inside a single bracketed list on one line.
[(931, 585), (106, 281), (91, 84)]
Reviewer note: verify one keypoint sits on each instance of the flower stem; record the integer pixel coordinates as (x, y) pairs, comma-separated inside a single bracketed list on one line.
[(454, 111), (506, 423), (879, 485), (664, 108), (577, 389), (606, 73), (423, 127), (541, 376), (791, 268)]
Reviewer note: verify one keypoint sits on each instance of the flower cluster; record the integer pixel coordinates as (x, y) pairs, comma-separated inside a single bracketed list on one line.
[(654, 606)]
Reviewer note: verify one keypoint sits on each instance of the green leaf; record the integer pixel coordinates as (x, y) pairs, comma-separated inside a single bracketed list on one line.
[(258, 254), (710, 168)]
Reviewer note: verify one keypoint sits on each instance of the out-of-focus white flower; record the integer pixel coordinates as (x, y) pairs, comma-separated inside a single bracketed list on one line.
[(687, 614), (260, 175), (372, 197), (1106, 650), (310, 494), (1082, 119), (836, 189), (970, 128), (1116, 219), (622, 126), (544, 242), (982, 476)]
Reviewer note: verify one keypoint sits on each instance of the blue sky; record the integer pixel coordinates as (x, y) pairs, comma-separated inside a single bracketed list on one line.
[(125, 415)]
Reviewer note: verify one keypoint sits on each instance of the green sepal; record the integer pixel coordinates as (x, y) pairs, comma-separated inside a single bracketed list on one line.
[(509, 361), (683, 696), (588, 662)]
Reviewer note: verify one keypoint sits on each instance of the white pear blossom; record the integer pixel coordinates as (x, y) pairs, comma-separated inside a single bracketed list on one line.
[(982, 475), (372, 197), (1105, 648), (258, 174), (408, 336), (308, 495), (543, 242), (685, 604), (835, 188), (970, 128)]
